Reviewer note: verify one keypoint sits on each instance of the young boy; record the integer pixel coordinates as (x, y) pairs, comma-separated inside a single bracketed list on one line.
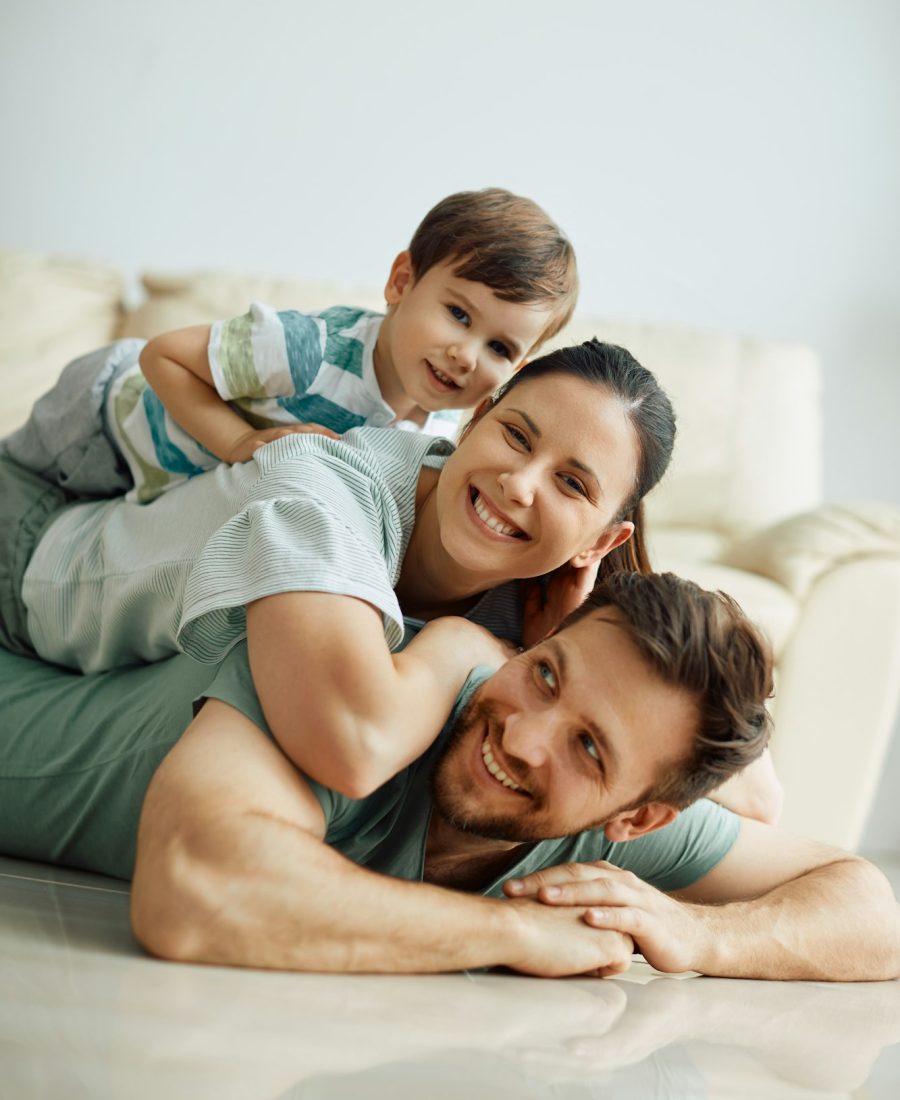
[(487, 278)]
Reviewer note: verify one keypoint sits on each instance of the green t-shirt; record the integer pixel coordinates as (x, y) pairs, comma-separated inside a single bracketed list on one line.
[(77, 754)]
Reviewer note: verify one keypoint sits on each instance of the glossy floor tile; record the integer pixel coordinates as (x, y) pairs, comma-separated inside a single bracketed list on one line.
[(84, 1013)]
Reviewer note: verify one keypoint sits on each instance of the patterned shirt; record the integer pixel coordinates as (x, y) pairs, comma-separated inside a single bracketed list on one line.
[(275, 367)]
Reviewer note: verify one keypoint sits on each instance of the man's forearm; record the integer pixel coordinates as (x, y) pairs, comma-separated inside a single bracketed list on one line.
[(835, 923)]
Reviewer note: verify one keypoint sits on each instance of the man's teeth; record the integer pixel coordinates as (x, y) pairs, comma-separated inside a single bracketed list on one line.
[(494, 768), (495, 524)]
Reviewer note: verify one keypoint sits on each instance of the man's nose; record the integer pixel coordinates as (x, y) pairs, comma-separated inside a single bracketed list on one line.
[(463, 354), (527, 737)]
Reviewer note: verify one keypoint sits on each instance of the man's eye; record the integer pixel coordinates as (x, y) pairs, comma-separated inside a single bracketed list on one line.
[(547, 674), (589, 747), (572, 482), (499, 348), (459, 314), (519, 438)]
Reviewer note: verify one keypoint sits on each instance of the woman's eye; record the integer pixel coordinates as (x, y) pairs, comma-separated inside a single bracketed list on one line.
[(519, 438), (459, 314), (499, 348), (574, 484), (589, 747)]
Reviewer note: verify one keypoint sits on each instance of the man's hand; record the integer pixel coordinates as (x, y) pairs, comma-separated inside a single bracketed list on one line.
[(547, 600), (246, 445), (669, 934), (557, 943)]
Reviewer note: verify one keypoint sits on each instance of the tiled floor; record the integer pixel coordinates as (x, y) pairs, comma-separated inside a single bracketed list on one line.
[(83, 1013)]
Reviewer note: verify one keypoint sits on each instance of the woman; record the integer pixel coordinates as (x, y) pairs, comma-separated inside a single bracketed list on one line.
[(547, 478)]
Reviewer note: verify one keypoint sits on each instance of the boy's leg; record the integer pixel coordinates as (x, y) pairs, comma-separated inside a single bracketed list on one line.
[(64, 439), (27, 504)]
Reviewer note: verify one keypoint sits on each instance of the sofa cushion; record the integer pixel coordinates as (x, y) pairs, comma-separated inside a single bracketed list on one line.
[(200, 297), (749, 448), (52, 309)]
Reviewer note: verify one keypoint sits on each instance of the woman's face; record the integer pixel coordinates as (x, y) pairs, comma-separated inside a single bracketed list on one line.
[(538, 480)]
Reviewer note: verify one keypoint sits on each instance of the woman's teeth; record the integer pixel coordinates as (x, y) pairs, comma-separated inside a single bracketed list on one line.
[(491, 521), (494, 768)]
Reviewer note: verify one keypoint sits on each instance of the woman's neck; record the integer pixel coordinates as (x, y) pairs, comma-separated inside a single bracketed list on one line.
[(431, 583)]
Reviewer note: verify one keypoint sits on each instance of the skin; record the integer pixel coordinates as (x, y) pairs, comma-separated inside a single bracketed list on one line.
[(447, 342), (232, 867)]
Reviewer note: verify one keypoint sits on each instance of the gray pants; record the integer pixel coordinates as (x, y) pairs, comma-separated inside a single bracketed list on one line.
[(65, 439)]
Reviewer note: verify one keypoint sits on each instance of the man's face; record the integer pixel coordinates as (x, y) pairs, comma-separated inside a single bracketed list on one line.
[(563, 737)]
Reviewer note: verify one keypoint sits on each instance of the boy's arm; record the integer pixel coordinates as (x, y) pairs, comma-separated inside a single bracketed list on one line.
[(232, 869), (754, 792), (176, 364), (776, 907), (344, 709)]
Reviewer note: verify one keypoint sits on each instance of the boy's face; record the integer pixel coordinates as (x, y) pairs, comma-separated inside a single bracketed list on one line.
[(450, 342)]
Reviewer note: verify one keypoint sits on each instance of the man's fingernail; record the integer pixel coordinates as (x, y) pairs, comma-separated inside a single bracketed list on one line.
[(552, 891), (516, 885)]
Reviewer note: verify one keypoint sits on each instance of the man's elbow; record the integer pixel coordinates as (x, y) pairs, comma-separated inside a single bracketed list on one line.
[(168, 913)]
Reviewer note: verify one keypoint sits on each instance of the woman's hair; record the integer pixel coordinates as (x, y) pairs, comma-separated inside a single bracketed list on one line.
[(649, 411)]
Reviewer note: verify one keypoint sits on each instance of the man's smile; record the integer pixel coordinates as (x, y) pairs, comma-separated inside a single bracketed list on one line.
[(495, 770)]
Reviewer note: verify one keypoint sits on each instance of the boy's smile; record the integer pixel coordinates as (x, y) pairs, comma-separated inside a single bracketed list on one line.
[(448, 342)]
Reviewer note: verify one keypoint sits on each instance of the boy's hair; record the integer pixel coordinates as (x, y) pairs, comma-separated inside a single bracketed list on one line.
[(704, 643), (506, 242)]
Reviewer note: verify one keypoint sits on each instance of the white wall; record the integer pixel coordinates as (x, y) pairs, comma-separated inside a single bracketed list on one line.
[(723, 163)]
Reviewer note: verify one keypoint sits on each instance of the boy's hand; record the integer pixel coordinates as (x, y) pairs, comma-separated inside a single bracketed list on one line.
[(247, 444), (547, 600)]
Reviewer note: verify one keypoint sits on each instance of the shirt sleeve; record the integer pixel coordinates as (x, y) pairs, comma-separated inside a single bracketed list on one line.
[(265, 353), (673, 857), (312, 524)]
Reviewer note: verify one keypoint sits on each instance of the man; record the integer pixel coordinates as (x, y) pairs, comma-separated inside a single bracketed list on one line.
[(597, 737)]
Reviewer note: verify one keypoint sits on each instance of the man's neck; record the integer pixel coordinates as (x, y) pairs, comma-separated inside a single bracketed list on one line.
[(463, 861)]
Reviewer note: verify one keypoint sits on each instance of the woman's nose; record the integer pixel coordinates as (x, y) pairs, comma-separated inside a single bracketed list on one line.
[(518, 486)]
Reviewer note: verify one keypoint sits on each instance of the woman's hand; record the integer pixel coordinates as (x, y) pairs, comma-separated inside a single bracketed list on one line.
[(547, 600), (246, 445)]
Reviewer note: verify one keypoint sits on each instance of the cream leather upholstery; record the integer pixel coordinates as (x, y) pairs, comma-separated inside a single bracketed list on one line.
[(740, 510)]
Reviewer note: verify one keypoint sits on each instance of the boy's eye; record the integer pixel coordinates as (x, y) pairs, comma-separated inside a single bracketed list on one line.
[(499, 348), (459, 314), (519, 438)]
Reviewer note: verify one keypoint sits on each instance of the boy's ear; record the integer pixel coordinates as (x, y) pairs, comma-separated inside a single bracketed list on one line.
[(634, 823), (400, 279), (613, 536)]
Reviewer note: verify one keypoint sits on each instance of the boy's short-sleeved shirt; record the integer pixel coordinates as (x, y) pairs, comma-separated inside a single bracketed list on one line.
[(275, 367), (387, 831)]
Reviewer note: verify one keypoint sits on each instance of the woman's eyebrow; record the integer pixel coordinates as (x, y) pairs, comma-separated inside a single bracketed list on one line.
[(576, 462), (531, 424)]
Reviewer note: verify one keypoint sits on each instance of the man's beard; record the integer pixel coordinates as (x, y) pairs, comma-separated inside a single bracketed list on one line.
[(460, 807)]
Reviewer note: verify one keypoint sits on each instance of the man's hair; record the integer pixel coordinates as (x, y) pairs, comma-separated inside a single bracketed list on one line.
[(506, 242), (704, 643)]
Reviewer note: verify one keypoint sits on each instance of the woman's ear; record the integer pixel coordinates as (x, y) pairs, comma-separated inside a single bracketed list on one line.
[(400, 279), (613, 536)]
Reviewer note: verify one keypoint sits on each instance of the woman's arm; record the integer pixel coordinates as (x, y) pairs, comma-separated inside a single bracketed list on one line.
[(755, 792), (176, 364), (347, 711)]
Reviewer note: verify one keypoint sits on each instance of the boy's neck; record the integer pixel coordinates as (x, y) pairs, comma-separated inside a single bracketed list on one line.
[(389, 382)]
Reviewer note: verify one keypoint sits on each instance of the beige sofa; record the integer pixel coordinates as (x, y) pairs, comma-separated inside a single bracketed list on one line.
[(741, 509)]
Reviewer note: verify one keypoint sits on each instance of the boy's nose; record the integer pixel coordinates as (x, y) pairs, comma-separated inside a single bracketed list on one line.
[(462, 355)]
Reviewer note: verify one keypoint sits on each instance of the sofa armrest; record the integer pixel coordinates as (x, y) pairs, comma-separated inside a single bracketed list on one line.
[(800, 550)]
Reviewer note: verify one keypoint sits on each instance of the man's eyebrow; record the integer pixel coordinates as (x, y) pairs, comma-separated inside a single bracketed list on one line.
[(576, 462), (610, 759)]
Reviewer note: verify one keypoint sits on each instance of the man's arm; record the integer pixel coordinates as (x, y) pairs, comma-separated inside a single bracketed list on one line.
[(232, 869), (775, 907)]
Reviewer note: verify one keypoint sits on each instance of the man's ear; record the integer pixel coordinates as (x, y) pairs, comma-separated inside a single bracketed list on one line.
[(634, 823), (613, 536), (400, 279)]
